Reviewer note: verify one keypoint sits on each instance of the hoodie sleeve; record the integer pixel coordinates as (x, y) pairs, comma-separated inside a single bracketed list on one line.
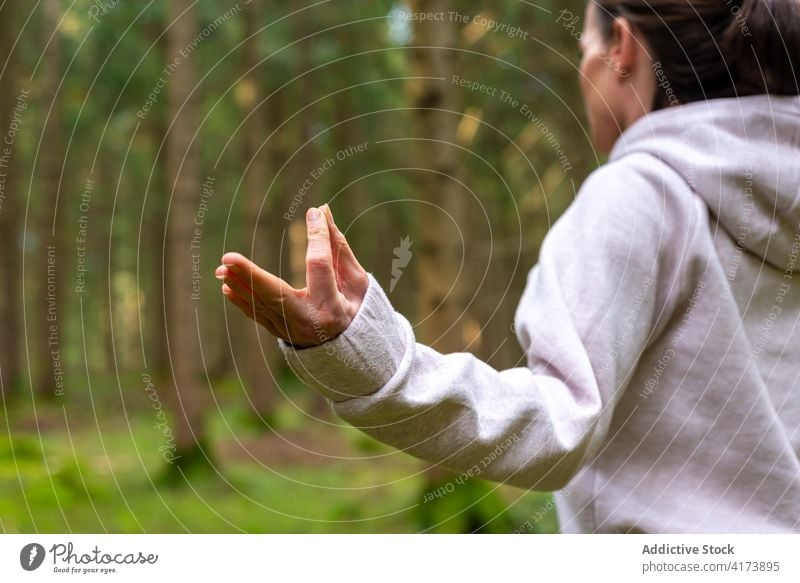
[(587, 313)]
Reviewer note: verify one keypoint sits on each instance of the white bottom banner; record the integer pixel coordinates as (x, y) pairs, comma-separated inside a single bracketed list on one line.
[(387, 558)]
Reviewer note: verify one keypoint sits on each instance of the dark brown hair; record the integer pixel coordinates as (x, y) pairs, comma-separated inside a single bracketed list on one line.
[(705, 49)]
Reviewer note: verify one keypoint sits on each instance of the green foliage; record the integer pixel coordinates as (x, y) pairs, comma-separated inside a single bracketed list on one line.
[(346, 82), (80, 483)]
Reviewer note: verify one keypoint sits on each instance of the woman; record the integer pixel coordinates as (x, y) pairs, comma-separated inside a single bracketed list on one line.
[(660, 324)]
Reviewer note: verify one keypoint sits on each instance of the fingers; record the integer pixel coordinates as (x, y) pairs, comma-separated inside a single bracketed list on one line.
[(343, 251), (285, 311), (326, 210), (350, 273), (236, 285), (245, 306), (269, 300), (252, 313), (270, 289), (320, 277), (267, 295)]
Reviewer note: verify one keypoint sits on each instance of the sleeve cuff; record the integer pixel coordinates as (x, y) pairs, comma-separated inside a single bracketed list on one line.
[(360, 360)]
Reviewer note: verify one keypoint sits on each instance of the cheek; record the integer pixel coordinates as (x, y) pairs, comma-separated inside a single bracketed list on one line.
[(590, 79), (598, 83), (598, 98), (583, 76)]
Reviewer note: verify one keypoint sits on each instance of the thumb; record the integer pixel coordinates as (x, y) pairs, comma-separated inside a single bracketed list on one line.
[(320, 277)]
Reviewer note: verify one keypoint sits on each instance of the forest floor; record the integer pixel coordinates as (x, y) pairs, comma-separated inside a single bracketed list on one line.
[(91, 466)]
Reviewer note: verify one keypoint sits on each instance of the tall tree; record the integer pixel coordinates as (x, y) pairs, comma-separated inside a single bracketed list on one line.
[(261, 359), (104, 183), (438, 249), (187, 398), (347, 133), (157, 128), (9, 221), (305, 161), (443, 268), (49, 304)]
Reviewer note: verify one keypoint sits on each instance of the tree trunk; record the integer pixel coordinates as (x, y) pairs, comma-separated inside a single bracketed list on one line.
[(157, 359), (153, 271), (438, 248), (260, 356), (187, 398), (9, 205), (443, 225), (305, 161), (48, 307), (352, 202)]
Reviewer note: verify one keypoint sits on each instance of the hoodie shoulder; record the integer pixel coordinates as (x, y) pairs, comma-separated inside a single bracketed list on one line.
[(637, 212), (635, 193), (635, 178), (641, 193), (634, 203)]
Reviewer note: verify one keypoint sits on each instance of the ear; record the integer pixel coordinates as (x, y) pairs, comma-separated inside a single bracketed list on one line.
[(623, 49)]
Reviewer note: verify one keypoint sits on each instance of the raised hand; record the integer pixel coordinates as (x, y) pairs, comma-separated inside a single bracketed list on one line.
[(335, 286)]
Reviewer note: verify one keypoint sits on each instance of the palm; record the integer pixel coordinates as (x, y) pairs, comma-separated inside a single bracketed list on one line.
[(335, 286)]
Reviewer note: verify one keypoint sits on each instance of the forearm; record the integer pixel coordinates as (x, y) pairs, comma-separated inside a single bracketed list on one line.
[(455, 410)]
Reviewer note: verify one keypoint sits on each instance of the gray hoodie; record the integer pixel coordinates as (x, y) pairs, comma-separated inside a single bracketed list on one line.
[(660, 325)]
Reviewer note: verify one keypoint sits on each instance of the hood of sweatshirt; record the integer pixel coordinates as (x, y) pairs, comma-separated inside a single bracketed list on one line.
[(742, 157)]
